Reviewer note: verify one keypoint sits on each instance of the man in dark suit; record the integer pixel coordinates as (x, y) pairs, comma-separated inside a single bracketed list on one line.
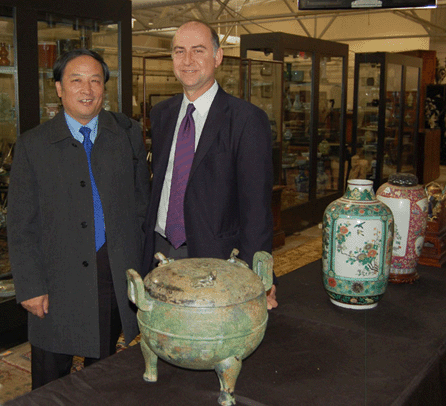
[(220, 197), (75, 223)]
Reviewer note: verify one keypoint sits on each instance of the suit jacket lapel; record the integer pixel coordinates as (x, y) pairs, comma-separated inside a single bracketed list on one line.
[(168, 121), (214, 121)]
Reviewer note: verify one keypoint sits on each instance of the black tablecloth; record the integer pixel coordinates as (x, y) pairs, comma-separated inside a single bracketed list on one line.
[(313, 353)]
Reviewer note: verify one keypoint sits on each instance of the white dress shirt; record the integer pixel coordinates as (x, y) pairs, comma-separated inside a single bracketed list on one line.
[(202, 106)]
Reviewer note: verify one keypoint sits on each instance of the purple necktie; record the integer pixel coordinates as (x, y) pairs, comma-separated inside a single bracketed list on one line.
[(99, 226), (184, 155)]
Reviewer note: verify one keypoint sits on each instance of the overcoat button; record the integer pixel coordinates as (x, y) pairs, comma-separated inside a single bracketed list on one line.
[(85, 263), (84, 224), (83, 183), (74, 145)]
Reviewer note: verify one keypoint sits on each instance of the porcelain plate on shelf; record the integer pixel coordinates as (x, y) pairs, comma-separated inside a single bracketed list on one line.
[(7, 288)]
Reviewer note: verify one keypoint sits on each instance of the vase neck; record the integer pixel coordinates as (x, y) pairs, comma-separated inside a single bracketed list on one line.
[(360, 189)]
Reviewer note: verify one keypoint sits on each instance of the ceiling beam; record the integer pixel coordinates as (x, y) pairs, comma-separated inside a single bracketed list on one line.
[(327, 26), (226, 16), (412, 16)]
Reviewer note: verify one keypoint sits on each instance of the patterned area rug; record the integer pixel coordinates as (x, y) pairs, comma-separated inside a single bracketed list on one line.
[(297, 257), (15, 372), (15, 369), (5, 267)]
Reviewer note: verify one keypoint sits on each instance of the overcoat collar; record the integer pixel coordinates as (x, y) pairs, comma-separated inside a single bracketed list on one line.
[(60, 131)]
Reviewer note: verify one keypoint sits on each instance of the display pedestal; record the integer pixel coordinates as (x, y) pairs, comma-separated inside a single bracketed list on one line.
[(434, 248)]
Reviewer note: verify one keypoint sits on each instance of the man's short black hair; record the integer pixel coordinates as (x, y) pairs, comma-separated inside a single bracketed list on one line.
[(62, 60)]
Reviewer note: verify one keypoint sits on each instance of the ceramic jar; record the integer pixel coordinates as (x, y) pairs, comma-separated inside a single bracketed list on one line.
[(47, 55), (4, 61), (357, 247), (409, 205)]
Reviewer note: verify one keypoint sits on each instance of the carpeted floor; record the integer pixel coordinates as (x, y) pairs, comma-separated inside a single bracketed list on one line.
[(15, 363), (15, 369), (15, 372), (294, 258), (5, 267)]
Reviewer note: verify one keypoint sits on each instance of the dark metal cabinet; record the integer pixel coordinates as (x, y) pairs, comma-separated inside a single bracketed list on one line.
[(386, 114), (435, 117), (311, 133)]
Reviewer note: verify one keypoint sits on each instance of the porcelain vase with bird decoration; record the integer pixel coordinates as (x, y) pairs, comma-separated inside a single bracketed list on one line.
[(357, 247)]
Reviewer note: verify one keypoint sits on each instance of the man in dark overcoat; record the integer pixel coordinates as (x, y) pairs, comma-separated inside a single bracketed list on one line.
[(73, 283)]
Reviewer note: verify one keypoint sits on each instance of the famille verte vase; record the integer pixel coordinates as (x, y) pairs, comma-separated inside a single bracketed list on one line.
[(409, 205), (357, 247)]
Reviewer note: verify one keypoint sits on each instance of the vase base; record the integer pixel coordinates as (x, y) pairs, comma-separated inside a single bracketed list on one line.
[(353, 306), (404, 278)]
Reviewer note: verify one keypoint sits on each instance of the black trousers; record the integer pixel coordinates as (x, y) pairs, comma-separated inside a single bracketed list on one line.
[(166, 248), (47, 366)]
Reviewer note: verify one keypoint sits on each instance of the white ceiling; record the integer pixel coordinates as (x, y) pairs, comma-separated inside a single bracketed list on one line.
[(160, 18)]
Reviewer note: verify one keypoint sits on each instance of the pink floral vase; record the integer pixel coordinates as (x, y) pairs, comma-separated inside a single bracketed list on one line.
[(409, 204), (357, 247)]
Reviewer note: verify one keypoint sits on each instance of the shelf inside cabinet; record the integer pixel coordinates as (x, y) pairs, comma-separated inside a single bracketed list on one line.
[(8, 70), (369, 128), (297, 84)]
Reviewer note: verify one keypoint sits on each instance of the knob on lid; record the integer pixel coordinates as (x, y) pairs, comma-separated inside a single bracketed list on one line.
[(403, 179)]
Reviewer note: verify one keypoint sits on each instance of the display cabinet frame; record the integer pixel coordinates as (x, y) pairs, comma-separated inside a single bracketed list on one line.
[(261, 84), (285, 47), (390, 107)]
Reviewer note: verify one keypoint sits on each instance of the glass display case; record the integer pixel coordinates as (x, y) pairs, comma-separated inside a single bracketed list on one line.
[(8, 100), (8, 128), (59, 35), (298, 124), (385, 115), (228, 75), (262, 86), (310, 129), (154, 81)]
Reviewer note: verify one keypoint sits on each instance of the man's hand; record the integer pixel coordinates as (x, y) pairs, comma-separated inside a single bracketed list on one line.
[(271, 298), (37, 305)]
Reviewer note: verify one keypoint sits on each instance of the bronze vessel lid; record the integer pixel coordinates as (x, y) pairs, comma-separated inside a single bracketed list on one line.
[(203, 282)]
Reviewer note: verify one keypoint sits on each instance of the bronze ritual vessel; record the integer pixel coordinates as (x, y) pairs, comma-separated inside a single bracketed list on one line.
[(202, 313)]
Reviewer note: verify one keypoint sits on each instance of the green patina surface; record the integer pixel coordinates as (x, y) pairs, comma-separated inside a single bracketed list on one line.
[(202, 314)]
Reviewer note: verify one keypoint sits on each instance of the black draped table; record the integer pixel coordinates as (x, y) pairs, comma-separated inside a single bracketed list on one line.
[(313, 353)]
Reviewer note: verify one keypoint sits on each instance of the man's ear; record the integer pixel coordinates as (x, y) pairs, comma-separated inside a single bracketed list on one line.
[(59, 89), (218, 57)]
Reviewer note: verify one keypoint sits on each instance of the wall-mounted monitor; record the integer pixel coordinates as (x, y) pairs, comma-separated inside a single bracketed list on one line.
[(350, 4)]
